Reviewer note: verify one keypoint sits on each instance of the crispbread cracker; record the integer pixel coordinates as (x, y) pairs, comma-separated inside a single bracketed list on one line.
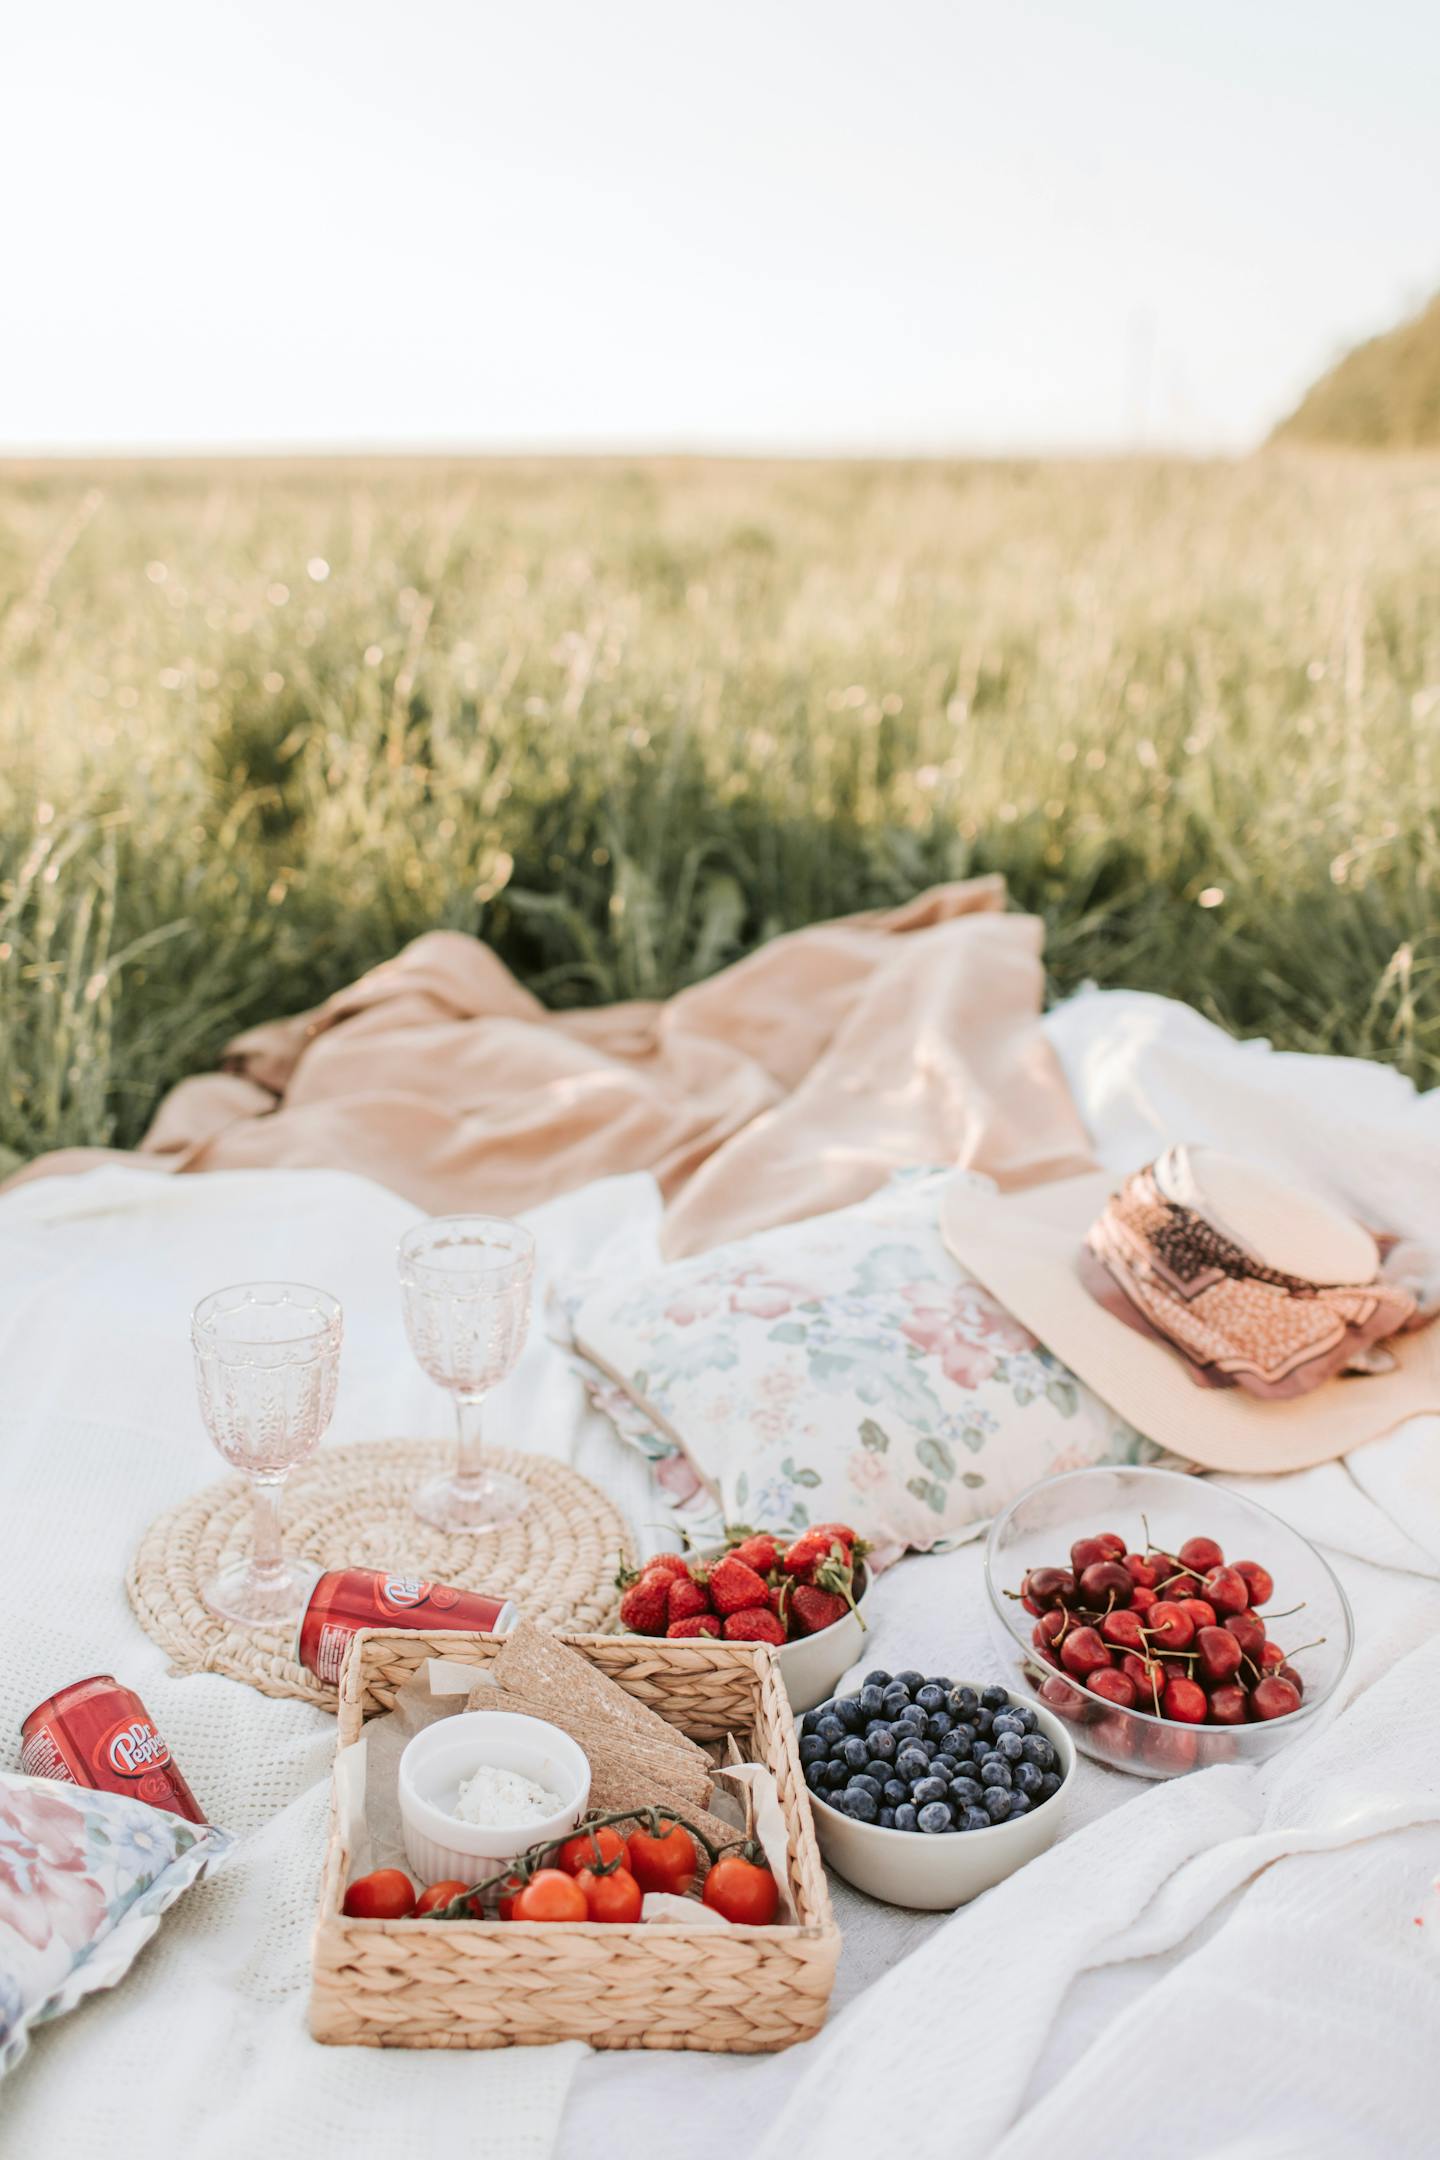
[(555, 1682)]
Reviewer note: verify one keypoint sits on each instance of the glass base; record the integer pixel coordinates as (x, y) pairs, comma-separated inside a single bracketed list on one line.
[(485, 1502), (261, 1598)]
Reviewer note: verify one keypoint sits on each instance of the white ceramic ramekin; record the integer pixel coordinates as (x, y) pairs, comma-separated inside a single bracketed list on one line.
[(439, 1760)]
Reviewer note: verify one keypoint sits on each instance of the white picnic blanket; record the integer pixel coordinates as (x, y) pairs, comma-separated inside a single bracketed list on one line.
[(1225, 1965)]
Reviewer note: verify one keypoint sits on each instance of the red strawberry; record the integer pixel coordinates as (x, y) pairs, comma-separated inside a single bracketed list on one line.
[(700, 1623), (840, 1530), (755, 1624), (645, 1607), (686, 1599), (668, 1563), (812, 1609), (761, 1552), (733, 1586), (808, 1551)]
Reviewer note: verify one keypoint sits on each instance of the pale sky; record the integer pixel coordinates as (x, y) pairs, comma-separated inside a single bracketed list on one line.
[(752, 225)]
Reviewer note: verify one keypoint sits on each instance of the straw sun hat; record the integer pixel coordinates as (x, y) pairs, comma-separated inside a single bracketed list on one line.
[(1029, 1249)]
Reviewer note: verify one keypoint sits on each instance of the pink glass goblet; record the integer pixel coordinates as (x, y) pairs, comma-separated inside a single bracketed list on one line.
[(267, 1357)]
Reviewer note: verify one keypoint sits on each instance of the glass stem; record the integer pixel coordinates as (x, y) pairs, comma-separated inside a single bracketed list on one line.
[(469, 1474), (265, 1502)]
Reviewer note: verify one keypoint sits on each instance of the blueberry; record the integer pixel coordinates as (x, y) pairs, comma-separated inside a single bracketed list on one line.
[(995, 1771), (926, 1789), (878, 1768), (861, 1782), (906, 1817), (813, 1748), (872, 1701), (940, 1680), (849, 1712), (810, 1720), (936, 1817), (886, 1818), (967, 1731), (1037, 1749), (835, 1776), (966, 1792), (909, 1679), (984, 1723), (1026, 1716), (876, 1679), (1005, 1721), (895, 1699), (815, 1776), (881, 1741), (963, 1701), (938, 1724), (1010, 1746), (975, 1818), (1027, 1779), (911, 1762), (1049, 1785), (895, 1792), (997, 1804), (860, 1804), (1019, 1805), (953, 1745), (829, 1727), (996, 1698), (930, 1697), (855, 1752)]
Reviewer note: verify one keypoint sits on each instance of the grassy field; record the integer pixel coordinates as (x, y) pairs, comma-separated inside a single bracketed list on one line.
[(260, 724)]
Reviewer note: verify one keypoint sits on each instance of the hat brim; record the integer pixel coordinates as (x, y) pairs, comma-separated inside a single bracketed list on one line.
[(1023, 1247)]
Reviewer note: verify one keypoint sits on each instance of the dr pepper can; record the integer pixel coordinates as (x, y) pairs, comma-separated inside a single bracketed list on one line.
[(347, 1599), (99, 1734)]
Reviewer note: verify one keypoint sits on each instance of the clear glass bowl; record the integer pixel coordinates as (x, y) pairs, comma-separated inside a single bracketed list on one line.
[(1038, 1529)]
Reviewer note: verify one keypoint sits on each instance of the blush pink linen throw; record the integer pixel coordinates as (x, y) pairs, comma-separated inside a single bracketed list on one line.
[(792, 1083)]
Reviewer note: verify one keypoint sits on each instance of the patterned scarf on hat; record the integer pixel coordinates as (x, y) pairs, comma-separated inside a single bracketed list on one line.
[(1172, 1274)]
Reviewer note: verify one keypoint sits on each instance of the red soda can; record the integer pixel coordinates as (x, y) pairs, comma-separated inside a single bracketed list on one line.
[(99, 1734), (347, 1599)]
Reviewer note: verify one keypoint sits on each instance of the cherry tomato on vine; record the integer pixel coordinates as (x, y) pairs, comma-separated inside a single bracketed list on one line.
[(615, 1897), (579, 1852), (510, 1889), (550, 1894), (667, 1862), (387, 1894), (742, 1890), (439, 1893)]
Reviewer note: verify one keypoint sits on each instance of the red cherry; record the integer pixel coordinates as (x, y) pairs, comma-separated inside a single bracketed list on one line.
[(1248, 1632), (1113, 1687), (1288, 1672), (1105, 1582), (1258, 1580), (1220, 1654), (1049, 1657), (1048, 1586), (1229, 1706), (1227, 1590), (1052, 1625), (1029, 1603), (1141, 1571), (1202, 1613), (1123, 1631), (1202, 1553), (1066, 1701), (1274, 1697), (1086, 1552), (1083, 1652), (1114, 1546), (1272, 1657), (1184, 1701), (1148, 1677), (1143, 1599), (1170, 1624), (1171, 1748)]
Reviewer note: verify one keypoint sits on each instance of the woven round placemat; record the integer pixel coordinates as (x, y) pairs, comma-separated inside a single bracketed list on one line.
[(350, 1507)]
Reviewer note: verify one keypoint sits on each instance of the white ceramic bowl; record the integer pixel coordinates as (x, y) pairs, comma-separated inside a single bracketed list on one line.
[(439, 1760), (934, 1874)]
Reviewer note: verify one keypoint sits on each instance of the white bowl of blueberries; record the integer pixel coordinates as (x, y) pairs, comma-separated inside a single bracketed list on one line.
[(927, 1792)]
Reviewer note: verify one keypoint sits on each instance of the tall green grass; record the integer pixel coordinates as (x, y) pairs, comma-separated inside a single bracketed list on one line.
[(260, 724)]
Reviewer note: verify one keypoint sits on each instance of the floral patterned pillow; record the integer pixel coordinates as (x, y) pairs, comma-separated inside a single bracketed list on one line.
[(84, 1878), (847, 1367)]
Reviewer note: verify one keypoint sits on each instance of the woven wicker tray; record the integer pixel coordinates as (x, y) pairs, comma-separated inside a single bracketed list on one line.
[(741, 1991)]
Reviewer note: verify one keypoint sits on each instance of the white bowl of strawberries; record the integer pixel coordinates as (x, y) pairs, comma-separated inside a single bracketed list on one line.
[(803, 1593)]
